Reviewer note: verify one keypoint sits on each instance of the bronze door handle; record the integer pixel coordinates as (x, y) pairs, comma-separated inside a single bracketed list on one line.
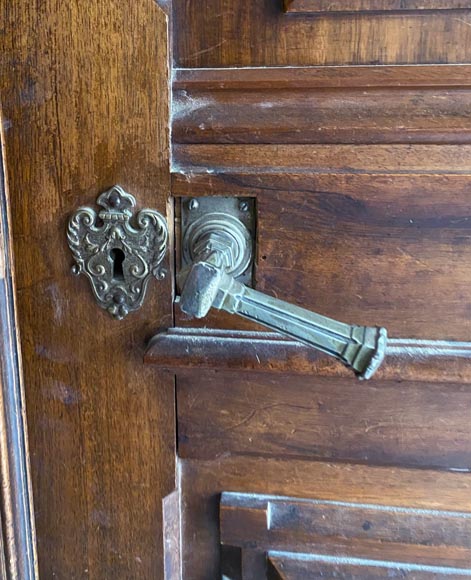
[(220, 245)]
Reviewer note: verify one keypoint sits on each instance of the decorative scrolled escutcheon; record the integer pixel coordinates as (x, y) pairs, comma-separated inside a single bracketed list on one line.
[(118, 257)]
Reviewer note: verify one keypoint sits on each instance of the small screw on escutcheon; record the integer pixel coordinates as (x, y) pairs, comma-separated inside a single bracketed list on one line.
[(193, 204), (244, 206)]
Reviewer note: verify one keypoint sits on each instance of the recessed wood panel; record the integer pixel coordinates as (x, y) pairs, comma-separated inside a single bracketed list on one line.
[(301, 538), (378, 422), (247, 33), (369, 248), (329, 6), (203, 482)]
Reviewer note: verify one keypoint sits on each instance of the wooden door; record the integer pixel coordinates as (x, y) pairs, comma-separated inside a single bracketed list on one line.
[(84, 92), (348, 124)]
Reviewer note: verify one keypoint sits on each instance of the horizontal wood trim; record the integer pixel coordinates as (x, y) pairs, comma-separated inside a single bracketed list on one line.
[(351, 105), (188, 349), (323, 77), (329, 6), (203, 482), (416, 537), (326, 159), (377, 115), (291, 566), (379, 422)]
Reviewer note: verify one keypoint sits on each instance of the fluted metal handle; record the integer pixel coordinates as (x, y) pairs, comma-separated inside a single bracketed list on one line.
[(208, 284)]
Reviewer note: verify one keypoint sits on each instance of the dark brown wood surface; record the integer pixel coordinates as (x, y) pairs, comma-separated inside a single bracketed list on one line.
[(317, 536), (190, 349), (17, 530), (323, 105), (204, 481), (376, 422), (328, 6), (290, 567), (227, 33), (318, 77), (363, 247), (361, 177), (85, 97)]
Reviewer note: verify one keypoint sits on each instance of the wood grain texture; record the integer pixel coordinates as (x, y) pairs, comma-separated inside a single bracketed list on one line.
[(17, 531), (245, 33), (376, 422), (188, 349), (85, 97), (329, 6), (285, 566), (369, 248), (322, 77), (312, 530), (172, 536), (389, 160), (381, 116), (203, 482)]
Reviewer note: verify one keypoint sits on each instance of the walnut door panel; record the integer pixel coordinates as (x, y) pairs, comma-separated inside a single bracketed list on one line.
[(298, 538), (362, 179), (329, 6), (355, 521), (245, 33), (362, 184), (389, 248), (378, 422)]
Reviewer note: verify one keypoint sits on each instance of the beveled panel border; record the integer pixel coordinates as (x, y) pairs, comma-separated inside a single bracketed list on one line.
[(339, 6), (17, 516)]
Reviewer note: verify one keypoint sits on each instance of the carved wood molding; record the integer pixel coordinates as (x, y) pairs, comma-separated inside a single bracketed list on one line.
[(287, 537), (323, 105), (17, 516), (417, 360), (337, 6)]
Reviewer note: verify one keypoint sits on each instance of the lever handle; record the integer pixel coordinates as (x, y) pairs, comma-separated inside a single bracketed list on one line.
[(207, 285)]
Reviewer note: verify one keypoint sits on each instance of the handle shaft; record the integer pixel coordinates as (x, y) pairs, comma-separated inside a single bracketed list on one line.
[(361, 348)]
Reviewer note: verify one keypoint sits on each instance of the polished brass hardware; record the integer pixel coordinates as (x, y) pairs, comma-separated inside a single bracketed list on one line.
[(118, 257), (218, 247)]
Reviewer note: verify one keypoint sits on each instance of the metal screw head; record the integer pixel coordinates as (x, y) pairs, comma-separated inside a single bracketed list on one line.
[(193, 204), (244, 206)]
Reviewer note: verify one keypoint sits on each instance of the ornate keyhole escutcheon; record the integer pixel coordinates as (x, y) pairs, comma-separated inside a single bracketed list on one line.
[(118, 251)]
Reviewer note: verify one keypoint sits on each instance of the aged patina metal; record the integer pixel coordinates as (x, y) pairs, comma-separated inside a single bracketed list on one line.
[(118, 257), (219, 249)]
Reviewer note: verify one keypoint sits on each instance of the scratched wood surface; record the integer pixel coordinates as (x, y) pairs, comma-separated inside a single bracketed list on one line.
[(204, 481), (329, 6), (229, 33), (325, 539), (84, 92), (362, 177), (378, 422), (395, 246)]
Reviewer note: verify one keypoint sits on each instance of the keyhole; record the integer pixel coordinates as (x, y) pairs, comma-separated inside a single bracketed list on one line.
[(117, 257)]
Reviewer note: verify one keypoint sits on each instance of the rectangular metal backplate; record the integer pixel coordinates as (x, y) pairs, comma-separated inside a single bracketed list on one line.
[(195, 208)]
